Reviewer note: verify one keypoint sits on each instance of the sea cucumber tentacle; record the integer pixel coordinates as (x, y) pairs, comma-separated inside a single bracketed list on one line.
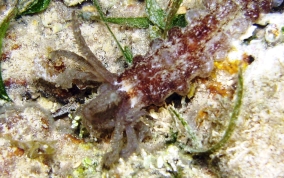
[(90, 57), (132, 142), (79, 59), (99, 112), (116, 145)]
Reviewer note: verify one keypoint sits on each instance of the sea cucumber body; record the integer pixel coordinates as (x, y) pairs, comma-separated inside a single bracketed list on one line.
[(170, 65)]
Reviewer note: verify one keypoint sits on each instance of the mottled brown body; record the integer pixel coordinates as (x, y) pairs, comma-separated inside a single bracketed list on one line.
[(188, 52), (167, 68)]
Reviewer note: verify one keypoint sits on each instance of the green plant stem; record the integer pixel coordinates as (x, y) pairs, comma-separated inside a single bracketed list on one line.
[(171, 15), (231, 126), (126, 54), (3, 28)]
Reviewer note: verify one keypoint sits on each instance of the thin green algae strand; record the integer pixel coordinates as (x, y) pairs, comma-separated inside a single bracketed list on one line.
[(133, 22), (190, 133), (171, 15), (3, 28), (231, 127), (156, 16), (126, 51)]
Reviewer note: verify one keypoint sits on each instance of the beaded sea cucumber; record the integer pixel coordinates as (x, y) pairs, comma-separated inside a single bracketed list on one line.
[(167, 68)]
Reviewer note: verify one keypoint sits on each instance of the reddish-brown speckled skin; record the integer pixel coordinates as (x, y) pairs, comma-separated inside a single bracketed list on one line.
[(187, 46), (168, 67)]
